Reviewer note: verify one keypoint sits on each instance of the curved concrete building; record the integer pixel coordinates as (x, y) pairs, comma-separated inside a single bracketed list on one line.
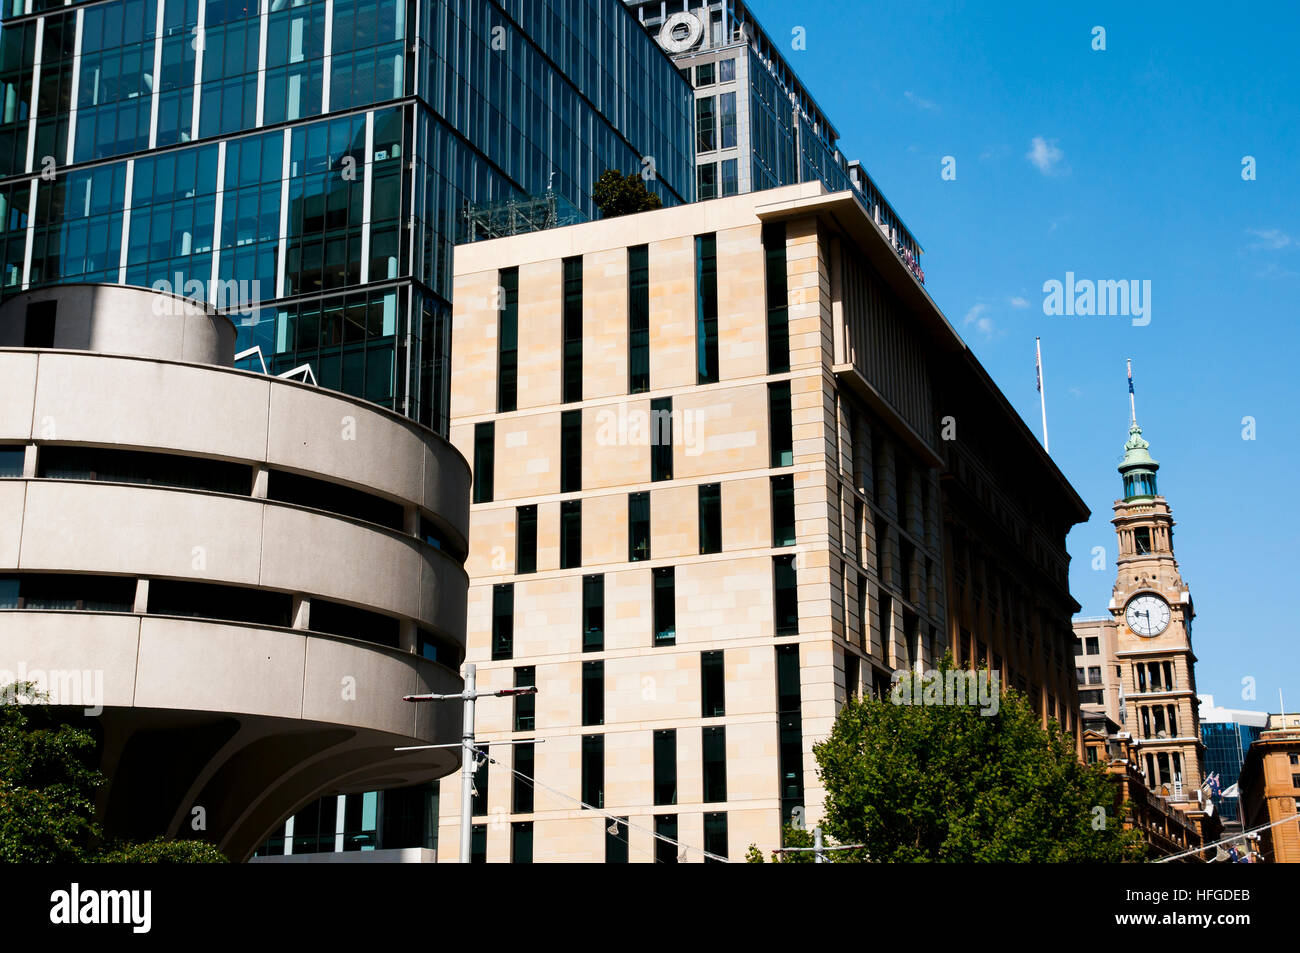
[(246, 574)]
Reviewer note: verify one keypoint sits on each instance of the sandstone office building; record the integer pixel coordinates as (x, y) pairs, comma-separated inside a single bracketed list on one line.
[(731, 465)]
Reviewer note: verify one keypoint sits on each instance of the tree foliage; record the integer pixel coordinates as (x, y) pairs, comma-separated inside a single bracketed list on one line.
[(616, 194), (790, 837), (47, 788), (162, 851), (947, 783)]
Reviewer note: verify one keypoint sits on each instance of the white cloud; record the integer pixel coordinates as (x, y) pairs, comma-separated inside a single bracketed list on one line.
[(1269, 239), (1018, 302), (919, 101), (1045, 155), (1274, 270), (977, 317)]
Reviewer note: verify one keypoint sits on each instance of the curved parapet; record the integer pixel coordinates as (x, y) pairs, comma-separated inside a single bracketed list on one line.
[(118, 319)]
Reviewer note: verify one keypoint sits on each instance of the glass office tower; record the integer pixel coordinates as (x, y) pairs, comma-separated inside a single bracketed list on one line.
[(308, 164)]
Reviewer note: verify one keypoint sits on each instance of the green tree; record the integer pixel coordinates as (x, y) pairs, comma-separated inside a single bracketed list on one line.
[(47, 784), (616, 194), (47, 789), (945, 782), (163, 851), (790, 837)]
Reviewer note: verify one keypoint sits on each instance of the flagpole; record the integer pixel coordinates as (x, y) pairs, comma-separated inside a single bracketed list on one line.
[(1042, 392), (1132, 405)]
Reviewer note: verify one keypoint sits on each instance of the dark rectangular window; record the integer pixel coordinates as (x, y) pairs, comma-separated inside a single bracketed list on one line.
[(616, 834), (706, 309), (783, 510), (715, 836), (730, 177), (194, 599), (790, 730), (704, 74), (706, 131), (727, 117), (638, 310), (665, 766), (778, 300), (338, 619), (503, 621), (484, 461), (441, 649), (521, 796), (38, 330), (11, 461), (726, 71), (508, 340), (661, 438), (521, 842), (593, 693), (526, 539), (785, 595), (196, 473), (570, 451), (638, 526), (440, 538), (706, 181), (525, 705), (665, 838), (478, 844), (480, 803), (572, 330), (715, 764), (713, 685), (710, 517), (570, 534), (593, 770), (780, 424), (593, 613), (117, 594), (665, 606)]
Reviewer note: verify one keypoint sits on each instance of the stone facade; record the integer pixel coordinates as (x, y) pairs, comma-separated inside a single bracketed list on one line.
[(867, 539)]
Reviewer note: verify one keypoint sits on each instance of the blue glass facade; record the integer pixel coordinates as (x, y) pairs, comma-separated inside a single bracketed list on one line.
[(307, 165), (1226, 744)]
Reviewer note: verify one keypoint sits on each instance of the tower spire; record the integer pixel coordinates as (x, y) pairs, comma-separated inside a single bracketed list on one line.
[(1139, 468)]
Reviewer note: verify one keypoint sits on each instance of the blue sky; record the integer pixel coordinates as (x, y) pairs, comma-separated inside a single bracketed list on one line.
[(1137, 174)]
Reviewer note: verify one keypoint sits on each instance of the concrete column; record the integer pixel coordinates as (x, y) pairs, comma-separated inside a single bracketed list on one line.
[(141, 596), (301, 612), (409, 638), (411, 520), (261, 477), (29, 461)]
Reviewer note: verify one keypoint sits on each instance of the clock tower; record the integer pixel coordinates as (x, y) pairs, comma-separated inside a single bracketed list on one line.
[(1152, 609)]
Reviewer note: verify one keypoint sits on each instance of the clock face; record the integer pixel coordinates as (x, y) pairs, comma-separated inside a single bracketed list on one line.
[(1147, 615)]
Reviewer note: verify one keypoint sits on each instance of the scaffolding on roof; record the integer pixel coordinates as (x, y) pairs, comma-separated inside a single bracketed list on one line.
[(517, 216)]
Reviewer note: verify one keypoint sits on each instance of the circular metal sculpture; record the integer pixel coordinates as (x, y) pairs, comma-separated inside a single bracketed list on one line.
[(680, 32)]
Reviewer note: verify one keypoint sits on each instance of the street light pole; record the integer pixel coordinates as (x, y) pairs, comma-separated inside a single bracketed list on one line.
[(467, 766), (468, 750)]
